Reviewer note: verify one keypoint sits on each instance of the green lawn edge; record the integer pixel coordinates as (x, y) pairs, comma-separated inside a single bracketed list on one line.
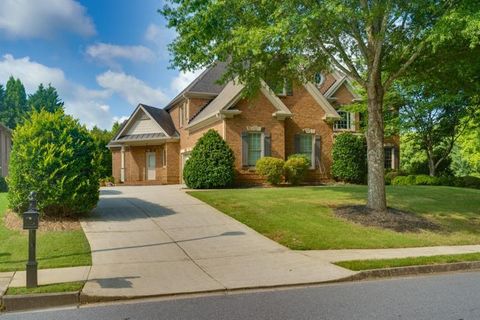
[(362, 265), (49, 288), (55, 249)]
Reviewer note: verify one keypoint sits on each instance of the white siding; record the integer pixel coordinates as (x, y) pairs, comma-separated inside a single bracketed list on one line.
[(143, 124)]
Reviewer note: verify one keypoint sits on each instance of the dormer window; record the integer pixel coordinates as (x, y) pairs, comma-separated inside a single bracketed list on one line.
[(319, 78)]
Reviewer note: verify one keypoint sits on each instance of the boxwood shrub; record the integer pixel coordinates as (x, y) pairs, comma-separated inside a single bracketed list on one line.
[(271, 168), (211, 163), (296, 168), (53, 155), (350, 158)]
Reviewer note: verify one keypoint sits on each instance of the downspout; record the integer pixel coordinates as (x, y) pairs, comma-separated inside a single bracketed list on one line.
[(122, 164)]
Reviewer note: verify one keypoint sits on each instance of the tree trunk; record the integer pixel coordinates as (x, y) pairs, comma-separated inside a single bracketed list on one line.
[(432, 168), (375, 135)]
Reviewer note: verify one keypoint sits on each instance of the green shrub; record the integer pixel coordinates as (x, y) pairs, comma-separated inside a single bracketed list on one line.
[(296, 168), (350, 158), (211, 163), (271, 168), (426, 180), (53, 155), (404, 180), (471, 182), (389, 176)]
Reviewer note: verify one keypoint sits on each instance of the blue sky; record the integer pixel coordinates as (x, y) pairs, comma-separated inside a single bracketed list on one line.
[(103, 56)]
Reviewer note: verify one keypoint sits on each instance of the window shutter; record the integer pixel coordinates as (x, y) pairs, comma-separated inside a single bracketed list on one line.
[(244, 148), (297, 143), (318, 151), (267, 145), (397, 158)]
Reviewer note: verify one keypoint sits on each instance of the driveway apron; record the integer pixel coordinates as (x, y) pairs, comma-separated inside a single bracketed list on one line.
[(158, 240)]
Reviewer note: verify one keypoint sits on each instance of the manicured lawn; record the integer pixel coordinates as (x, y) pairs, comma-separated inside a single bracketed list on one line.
[(358, 265), (50, 288), (54, 249), (301, 218)]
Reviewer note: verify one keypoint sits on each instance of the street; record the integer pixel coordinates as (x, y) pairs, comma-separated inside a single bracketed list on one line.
[(448, 296)]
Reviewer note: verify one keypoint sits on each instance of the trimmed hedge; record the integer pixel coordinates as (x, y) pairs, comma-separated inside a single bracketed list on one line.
[(271, 168), (296, 168), (426, 180), (53, 155), (350, 158), (211, 163)]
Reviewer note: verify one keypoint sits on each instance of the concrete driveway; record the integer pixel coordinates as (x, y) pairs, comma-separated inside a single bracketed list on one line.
[(156, 240)]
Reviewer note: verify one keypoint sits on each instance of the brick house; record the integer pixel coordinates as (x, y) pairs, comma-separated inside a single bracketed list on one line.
[(153, 144)]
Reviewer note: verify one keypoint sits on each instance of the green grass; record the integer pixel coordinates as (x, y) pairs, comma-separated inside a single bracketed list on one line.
[(55, 249), (301, 218), (49, 288), (358, 265)]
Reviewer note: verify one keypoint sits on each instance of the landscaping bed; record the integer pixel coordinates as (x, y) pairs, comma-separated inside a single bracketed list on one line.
[(64, 246), (303, 218)]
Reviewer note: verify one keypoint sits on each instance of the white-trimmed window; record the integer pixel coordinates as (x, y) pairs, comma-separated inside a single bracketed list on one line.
[(389, 162), (319, 79), (255, 147), (346, 122), (306, 146)]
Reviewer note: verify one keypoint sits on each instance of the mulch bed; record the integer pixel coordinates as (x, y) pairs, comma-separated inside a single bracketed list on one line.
[(14, 221), (394, 219)]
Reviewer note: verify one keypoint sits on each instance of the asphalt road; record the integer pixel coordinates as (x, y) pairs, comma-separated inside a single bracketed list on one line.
[(451, 296)]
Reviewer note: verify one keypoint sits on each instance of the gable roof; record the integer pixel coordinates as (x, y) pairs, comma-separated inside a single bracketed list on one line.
[(205, 84), (229, 96), (159, 116)]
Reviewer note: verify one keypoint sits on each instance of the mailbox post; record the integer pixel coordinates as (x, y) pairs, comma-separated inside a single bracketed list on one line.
[(30, 223)]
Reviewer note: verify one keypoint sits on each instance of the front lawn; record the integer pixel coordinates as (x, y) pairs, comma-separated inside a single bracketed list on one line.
[(55, 249), (301, 218)]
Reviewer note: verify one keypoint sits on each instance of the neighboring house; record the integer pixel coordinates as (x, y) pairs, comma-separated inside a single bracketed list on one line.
[(5, 148), (153, 144)]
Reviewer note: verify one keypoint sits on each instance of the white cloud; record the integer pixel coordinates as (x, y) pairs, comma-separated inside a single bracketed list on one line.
[(183, 79), (120, 119), (43, 19), (132, 89), (108, 53), (160, 37), (86, 104)]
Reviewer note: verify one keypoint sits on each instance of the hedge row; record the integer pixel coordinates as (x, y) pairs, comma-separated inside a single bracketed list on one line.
[(426, 180), (294, 169)]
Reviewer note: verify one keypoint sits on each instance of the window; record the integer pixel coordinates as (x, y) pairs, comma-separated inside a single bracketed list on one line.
[(389, 157), (346, 123), (319, 79), (255, 147), (306, 148), (282, 88)]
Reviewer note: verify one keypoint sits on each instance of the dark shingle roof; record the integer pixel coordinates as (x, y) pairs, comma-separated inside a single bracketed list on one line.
[(145, 136), (163, 118), (206, 82)]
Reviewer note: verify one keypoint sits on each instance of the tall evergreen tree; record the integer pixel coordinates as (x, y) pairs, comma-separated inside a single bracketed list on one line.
[(45, 98), (15, 103), (2, 98)]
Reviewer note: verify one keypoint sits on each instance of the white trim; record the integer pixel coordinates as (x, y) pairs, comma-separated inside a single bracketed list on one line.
[(275, 100), (132, 116), (350, 122), (340, 80), (330, 111), (122, 164)]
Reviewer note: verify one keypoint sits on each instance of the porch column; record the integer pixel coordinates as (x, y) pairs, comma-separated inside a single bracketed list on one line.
[(122, 164)]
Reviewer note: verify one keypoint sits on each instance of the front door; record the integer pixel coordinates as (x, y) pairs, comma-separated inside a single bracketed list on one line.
[(151, 166)]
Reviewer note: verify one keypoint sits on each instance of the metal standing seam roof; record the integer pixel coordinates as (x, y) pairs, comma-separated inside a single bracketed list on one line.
[(144, 136)]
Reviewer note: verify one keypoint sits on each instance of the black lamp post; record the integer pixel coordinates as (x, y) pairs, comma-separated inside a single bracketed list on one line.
[(30, 223)]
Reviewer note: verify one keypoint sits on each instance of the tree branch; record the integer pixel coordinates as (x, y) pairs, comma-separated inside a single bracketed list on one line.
[(404, 67)]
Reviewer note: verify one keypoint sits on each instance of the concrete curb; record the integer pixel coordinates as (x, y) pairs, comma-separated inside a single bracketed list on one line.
[(411, 270), (39, 301), (362, 275)]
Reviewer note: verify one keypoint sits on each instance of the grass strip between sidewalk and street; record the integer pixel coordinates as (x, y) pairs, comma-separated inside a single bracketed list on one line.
[(360, 265), (49, 288)]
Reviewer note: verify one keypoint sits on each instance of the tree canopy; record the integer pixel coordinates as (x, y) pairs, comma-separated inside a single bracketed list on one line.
[(372, 41), (45, 98), (14, 104)]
